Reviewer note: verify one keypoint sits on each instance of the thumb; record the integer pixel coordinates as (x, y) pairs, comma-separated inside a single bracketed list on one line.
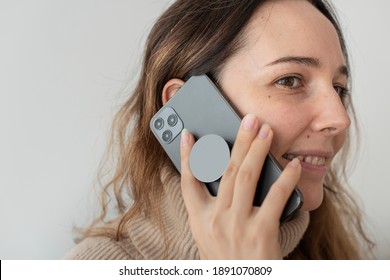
[(194, 193)]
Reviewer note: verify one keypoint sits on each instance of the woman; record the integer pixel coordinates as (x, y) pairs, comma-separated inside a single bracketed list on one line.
[(284, 66)]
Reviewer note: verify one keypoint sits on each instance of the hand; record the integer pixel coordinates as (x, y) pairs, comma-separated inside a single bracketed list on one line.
[(228, 226)]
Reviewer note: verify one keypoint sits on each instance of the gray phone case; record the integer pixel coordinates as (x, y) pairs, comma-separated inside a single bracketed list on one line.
[(200, 107)]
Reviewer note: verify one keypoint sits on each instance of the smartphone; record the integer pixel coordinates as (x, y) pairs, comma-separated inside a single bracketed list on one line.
[(200, 107)]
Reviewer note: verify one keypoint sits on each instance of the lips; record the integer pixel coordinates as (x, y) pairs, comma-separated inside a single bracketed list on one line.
[(309, 159)]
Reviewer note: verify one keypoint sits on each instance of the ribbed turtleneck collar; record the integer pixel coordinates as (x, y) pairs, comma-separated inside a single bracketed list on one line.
[(178, 243)]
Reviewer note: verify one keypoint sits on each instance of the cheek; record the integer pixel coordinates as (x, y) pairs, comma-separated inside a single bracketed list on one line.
[(339, 140), (288, 125), (278, 114), (287, 120)]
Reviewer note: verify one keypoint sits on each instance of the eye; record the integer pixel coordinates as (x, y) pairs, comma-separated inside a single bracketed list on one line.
[(290, 82), (341, 90)]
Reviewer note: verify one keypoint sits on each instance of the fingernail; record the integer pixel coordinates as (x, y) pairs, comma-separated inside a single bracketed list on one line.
[(264, 131), (248, 122), (294, 163), (185, 137)]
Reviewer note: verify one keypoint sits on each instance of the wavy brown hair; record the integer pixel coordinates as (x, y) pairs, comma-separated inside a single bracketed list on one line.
[(194, 37)]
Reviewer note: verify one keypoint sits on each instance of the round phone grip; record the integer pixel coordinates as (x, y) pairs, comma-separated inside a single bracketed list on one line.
[(209, 158)]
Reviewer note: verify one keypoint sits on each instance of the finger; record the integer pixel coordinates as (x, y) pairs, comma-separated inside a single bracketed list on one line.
[(248, 129), (194, 193), (250, 170), (276, 199)]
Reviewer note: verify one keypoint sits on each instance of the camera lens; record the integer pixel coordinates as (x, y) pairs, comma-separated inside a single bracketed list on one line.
[(159, 123), (172, 120), (167, 136)]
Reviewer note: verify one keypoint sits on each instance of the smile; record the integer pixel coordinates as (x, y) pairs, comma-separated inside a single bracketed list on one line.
[(313, 160)]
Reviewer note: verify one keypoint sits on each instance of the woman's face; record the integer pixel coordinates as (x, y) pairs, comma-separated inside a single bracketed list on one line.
[(291, 73)]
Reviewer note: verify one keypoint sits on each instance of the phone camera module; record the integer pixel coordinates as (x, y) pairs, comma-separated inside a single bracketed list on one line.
[(166, 125), (172, 120), (167, 136), (159, 124)]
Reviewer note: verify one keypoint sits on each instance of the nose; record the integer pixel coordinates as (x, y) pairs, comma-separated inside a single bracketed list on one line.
[(331, 116)]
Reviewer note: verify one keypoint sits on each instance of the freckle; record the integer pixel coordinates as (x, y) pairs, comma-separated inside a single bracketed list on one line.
[(308, 136), (269, 96)]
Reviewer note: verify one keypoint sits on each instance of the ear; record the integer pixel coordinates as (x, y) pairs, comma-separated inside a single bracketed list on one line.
[(170, 88)]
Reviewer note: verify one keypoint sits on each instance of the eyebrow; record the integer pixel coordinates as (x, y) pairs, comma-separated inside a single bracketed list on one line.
[(307, 61)]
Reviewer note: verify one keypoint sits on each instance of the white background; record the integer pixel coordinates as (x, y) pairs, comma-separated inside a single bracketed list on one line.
[(66, 65)]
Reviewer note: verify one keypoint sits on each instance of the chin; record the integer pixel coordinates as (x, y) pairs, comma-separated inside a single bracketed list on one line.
[(313, 194)]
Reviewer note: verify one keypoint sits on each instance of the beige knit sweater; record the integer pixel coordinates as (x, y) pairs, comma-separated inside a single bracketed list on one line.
[(144, 241)]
